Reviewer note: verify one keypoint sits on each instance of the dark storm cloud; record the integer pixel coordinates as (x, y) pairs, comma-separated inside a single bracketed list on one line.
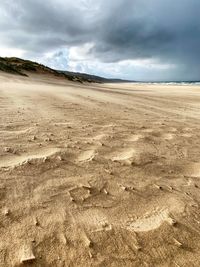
[(40, 25), (163, 30)]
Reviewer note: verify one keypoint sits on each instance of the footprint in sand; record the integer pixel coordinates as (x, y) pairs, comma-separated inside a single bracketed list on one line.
[(87, 155), (99, 137), (150, 222), (79, 193), (93, 219), (135, 138), (15, 160), (124, 155), (168, 136)]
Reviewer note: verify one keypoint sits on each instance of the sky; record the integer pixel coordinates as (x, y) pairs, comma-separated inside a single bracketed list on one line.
[(143, 40)]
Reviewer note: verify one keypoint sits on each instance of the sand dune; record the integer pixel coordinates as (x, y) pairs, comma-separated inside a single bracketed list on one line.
[(98, 174)]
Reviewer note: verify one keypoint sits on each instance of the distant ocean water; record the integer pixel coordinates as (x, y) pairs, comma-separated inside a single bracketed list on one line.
[(174, 83)]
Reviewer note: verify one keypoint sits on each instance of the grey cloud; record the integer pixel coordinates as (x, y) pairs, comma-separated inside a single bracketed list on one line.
[(164, 30)]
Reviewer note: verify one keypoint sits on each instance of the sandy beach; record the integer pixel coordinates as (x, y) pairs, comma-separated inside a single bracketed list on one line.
[(98, 174)]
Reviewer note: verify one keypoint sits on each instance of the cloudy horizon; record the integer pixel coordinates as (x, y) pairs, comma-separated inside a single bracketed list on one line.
[(137, 40)]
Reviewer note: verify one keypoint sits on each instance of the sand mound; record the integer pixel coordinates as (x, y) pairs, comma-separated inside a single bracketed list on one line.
[(87, 155), (15, 160), (124, 155), (150, 222), (135, 137)]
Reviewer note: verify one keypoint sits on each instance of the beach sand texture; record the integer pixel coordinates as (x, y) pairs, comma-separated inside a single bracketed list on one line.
[(98, 174)]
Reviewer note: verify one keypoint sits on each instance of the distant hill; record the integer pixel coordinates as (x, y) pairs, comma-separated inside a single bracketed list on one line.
[(23, 67), (93, 78)]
